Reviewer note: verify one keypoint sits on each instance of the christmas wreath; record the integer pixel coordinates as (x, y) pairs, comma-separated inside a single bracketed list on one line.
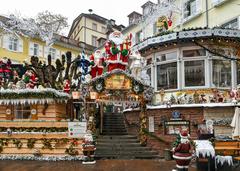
[(137, 88), (99, 85)]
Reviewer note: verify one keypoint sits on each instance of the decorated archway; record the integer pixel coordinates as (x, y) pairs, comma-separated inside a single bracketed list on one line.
[(117, 86)]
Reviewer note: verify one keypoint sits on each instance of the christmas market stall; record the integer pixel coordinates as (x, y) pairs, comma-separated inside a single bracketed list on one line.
[(35, 122)]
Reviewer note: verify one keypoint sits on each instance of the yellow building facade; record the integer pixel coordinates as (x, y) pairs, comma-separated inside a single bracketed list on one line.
[(20, 49), (208, 13)]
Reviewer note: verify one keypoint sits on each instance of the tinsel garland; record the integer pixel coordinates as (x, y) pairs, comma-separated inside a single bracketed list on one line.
[(41, 158)]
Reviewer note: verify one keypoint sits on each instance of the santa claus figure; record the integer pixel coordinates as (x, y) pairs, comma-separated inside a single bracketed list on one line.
[(7, 68), (88, 148), (118, 51), (234, 95), (98, 63), (66, 87), (181, 153), (30, 79)]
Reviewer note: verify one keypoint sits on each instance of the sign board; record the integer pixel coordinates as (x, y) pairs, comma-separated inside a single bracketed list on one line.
[(77, 129), (175, 126), (151, 123), (118, 82)]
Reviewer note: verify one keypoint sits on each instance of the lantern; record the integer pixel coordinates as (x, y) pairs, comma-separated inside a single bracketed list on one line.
[(93, 95), (76, 94)]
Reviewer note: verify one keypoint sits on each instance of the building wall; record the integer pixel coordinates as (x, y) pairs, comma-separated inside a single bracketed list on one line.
[(195, 115), (217, 15), (25, 53)]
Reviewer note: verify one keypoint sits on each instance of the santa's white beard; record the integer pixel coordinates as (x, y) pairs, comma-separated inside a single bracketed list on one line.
[(117, 40)]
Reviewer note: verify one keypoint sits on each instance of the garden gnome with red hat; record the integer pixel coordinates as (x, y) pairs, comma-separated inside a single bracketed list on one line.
[(181, 151)]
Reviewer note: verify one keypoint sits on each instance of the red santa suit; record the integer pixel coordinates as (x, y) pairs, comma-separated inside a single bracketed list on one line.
[(118, 51), (182, 153), (98, 60), (66, 87)]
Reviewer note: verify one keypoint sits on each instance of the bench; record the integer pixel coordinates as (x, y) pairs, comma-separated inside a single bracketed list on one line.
[(227, 148)]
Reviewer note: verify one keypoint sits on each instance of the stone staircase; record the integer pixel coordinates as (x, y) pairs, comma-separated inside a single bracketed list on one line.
[(115, 143)]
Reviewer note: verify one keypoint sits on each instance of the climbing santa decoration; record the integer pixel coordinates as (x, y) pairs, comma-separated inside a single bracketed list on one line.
[(98, 63), (117, 51), (182, 151)]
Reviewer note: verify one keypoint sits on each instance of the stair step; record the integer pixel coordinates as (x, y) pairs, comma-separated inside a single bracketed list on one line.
[(127, 156), (116, 140), (112, 152), (101, 148), (117, 137), (118, 145), (119, 133)]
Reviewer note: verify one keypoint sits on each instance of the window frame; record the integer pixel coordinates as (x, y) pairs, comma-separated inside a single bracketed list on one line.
[(231, 73), (166, 62), (36, 48), (52, 52), (22, 110), (94, 26), (13, 44), (94, 37), (195, 58)]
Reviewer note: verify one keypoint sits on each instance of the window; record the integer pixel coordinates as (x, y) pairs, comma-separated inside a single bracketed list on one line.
[(167, 76), (94, 26), (191, 8), (238, 72), (13, 44), (221, 73), (103, 29), (166, 56), (194, 53), (149, 72), (52, 52), (194, 73), (218, 2), (94, 41), (35, 49), (138, 37), (22, 111), (233, 24)]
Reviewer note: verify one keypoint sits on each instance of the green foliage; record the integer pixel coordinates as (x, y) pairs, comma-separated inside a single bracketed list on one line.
[(34, 129), (31, 94), (71, 151), (47, 144), (31, 142), (17, 143)]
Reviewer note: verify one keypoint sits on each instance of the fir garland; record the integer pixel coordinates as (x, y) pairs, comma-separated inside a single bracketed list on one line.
[(17, 143), (31, 142), (33, 93)]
